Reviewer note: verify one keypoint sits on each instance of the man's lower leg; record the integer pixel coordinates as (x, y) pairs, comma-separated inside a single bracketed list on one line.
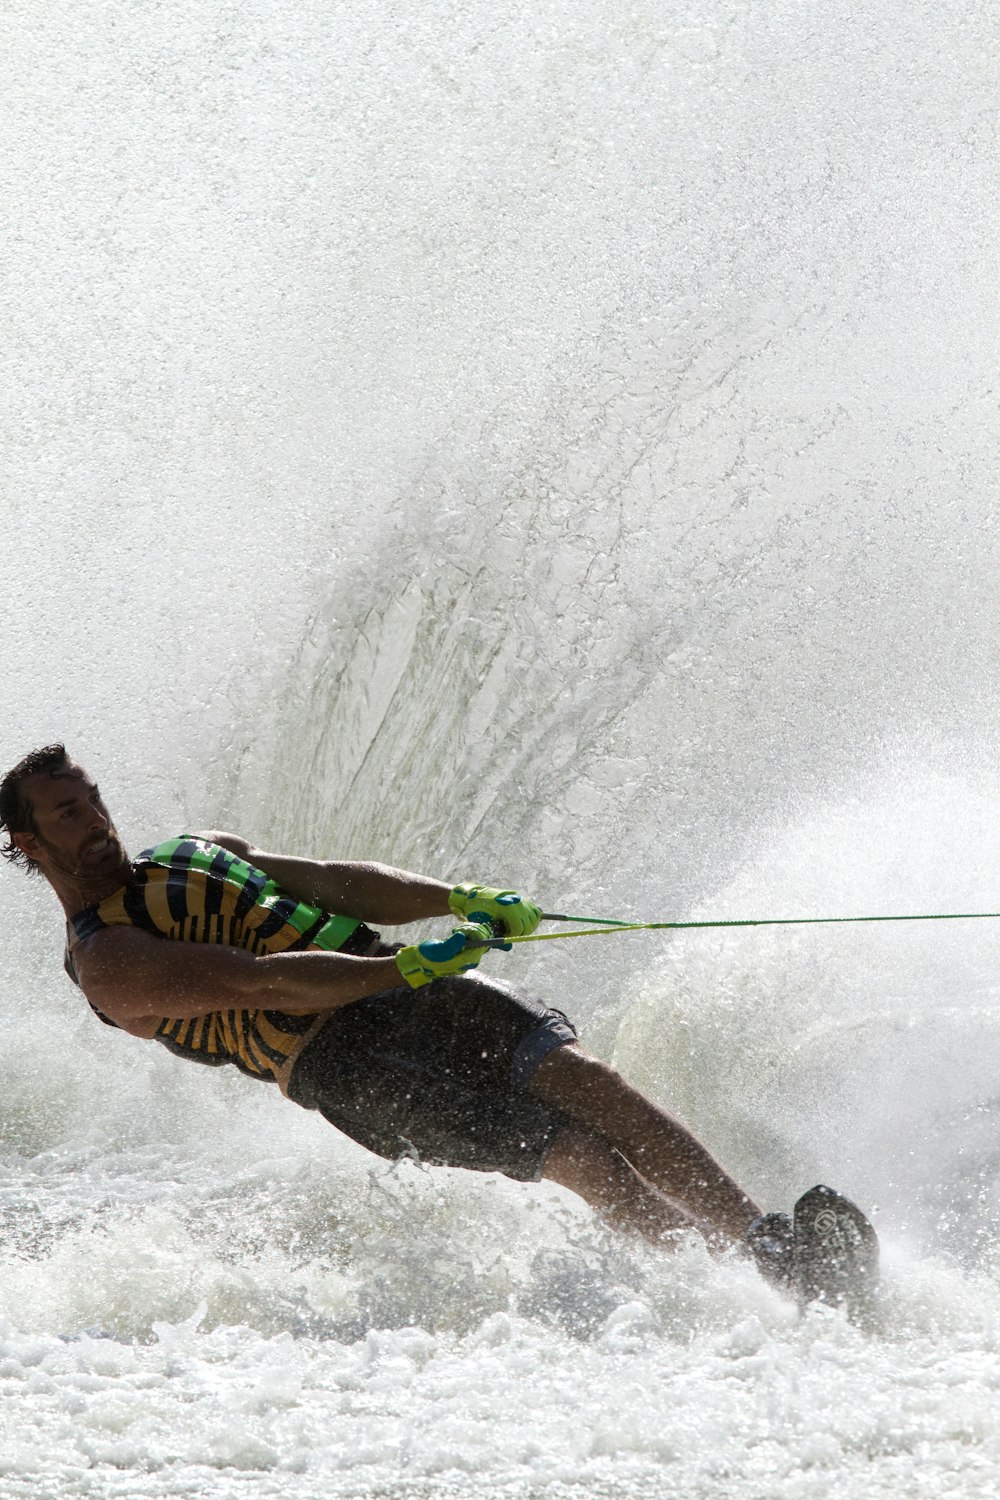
[(589, 1166), (658, 1146)]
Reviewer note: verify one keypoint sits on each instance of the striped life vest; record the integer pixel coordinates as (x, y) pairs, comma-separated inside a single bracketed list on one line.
[(188, 890)]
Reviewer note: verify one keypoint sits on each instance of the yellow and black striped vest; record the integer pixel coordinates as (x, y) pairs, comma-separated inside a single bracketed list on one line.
[(191, 891)]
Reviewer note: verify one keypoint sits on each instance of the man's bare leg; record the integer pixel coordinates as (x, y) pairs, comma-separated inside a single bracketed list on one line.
[(590, 1166), (656, 1144)]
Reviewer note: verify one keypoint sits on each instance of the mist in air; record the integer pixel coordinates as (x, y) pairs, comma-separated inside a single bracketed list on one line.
[(538, 445)]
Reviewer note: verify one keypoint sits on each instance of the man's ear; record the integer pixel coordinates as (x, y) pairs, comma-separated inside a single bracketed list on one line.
[(27, 843)]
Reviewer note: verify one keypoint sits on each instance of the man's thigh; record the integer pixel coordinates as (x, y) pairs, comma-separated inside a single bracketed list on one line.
[(434, 1073)]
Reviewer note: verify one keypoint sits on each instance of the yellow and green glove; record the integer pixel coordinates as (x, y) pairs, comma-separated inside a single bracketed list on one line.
[(479, 903), (422, 962)]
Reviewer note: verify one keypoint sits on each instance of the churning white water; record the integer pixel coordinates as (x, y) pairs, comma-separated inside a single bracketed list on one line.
[(548, 443)]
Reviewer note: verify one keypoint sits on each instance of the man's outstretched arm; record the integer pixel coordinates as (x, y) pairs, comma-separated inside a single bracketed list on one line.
[(132, 975), (373, 893), (385, 896), (135, 978)]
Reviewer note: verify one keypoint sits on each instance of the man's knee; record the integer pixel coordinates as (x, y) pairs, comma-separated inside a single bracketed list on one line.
[(572, 1075)]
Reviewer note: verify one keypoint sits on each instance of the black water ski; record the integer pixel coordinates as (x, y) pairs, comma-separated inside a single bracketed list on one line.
[(835, 1253)]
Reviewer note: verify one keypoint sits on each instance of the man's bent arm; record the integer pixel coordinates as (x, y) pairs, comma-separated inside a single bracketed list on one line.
[(131, 975), (372, 893)]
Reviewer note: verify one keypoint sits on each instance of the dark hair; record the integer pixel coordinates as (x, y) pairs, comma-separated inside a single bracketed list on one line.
[(16, 813)]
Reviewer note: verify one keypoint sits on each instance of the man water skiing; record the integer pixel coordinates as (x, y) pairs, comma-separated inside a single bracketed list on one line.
[(269, 964)]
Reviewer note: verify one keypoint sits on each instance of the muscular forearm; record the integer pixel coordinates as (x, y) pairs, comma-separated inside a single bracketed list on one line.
[(311, 981), (130, 976), (379, 894), (373, 893)]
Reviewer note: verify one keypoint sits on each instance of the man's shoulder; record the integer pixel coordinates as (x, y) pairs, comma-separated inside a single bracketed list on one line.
[(192, 850), (113, 968), (106, 952), (110, 943), (231, 842)]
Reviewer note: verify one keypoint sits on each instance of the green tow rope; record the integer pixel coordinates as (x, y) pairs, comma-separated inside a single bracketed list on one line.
[(608, 925)]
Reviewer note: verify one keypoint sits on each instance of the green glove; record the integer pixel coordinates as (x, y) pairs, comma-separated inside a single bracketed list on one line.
[(422, 962), (478, 903)]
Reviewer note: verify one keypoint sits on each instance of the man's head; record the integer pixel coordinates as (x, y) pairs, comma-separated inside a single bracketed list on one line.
[(56, 822), (16, 812)]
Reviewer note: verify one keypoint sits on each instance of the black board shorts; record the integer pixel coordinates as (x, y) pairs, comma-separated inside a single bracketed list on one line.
[(438, 1074)]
